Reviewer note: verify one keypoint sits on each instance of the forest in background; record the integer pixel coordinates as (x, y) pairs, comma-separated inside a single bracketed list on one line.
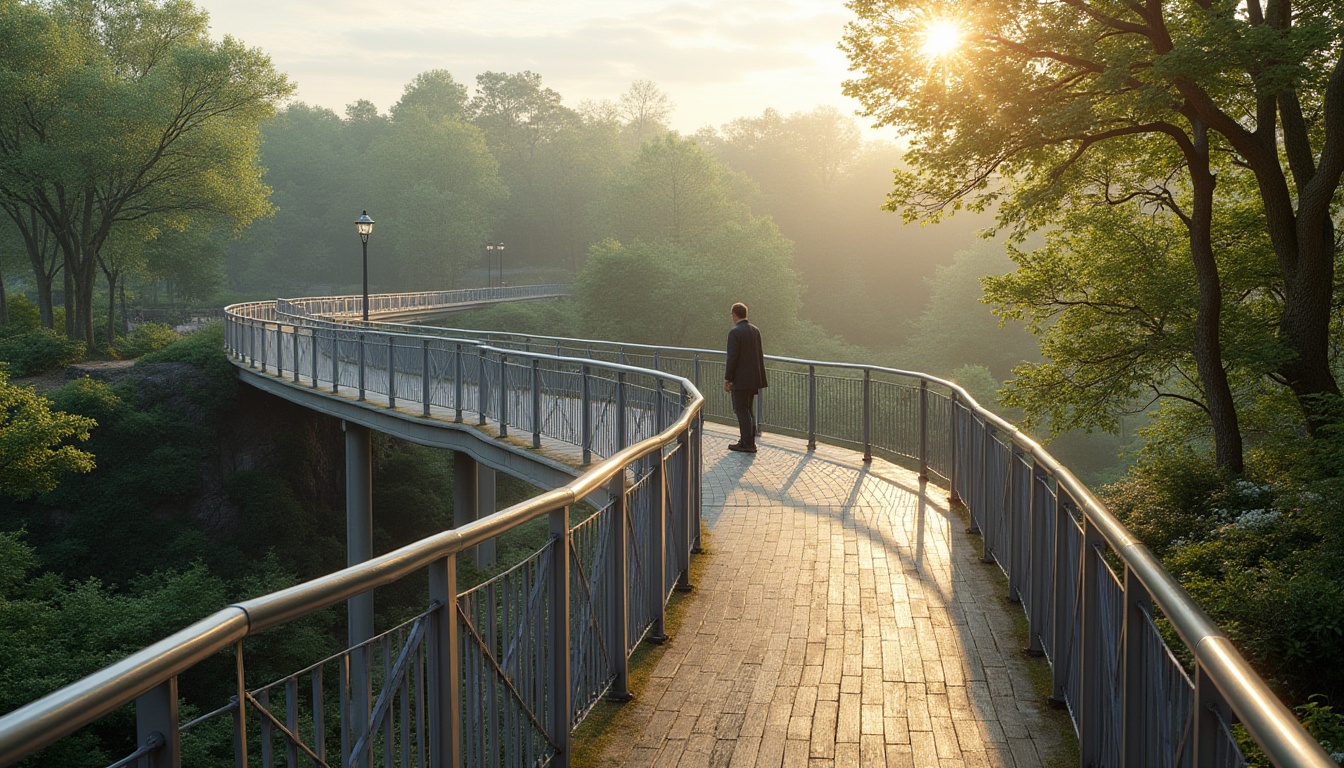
[(1159, 302)]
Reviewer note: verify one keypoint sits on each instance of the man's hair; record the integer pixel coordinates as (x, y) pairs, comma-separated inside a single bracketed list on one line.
[(740, 311)]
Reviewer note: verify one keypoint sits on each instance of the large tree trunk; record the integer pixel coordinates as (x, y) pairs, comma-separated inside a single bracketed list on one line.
[(69, 299), (4, 302), (111, 309), (1304, 327), (1227, 446)]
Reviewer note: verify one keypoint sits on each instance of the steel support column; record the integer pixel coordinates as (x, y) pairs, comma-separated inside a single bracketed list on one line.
[(358, 548)]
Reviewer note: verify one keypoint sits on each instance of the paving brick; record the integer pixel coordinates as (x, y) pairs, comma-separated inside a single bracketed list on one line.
[(842, 618)]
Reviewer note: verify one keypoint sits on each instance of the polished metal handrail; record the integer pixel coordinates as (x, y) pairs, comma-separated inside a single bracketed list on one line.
[(1039, 523)]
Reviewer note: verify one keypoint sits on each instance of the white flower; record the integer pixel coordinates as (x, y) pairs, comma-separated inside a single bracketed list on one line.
[(1256, 519)]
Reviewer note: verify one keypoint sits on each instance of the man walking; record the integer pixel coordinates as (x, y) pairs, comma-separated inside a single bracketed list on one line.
[(744, 375)]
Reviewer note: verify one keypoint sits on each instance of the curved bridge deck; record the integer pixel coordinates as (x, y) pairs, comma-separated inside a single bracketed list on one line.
[(843, 618)]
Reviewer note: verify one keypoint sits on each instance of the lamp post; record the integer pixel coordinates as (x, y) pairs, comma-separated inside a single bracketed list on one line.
[(364, 225), (490, 250)]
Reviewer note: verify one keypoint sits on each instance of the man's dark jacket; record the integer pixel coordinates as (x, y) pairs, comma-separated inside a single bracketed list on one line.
[(746, 360)]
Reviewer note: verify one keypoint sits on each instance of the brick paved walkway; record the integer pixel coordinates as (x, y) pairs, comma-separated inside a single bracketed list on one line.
[(842, 618)]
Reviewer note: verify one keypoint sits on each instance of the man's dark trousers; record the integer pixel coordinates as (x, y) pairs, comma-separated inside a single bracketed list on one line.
[(743, 399)]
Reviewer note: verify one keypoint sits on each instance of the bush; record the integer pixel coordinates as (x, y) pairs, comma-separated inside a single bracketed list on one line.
[(38, 351), (23, 317), (146, 338)]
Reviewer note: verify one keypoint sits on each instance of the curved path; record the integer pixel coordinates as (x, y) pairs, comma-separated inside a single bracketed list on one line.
[(843, 618)]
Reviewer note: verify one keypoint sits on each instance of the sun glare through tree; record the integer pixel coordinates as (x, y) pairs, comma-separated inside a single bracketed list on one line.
[(941, 38)]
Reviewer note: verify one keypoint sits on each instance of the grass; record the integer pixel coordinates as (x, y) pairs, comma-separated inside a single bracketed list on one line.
[(608, 723)]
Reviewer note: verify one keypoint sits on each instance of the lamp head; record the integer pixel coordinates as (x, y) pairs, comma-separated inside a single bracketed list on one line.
[(364, 225)]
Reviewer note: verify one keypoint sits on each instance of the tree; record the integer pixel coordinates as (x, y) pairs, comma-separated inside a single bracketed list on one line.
[(1114, 344), (956, 329), (34, 453), (137, 114), (675, 192), (313, 162), (441, 193), (1042, 102), (434, 95), (645, 109)]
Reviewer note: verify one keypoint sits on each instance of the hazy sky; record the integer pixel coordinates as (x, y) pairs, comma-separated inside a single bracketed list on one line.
[(717, 60)]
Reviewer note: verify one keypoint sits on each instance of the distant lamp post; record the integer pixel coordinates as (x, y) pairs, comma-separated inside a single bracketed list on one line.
[(491, 249), (364, 225)]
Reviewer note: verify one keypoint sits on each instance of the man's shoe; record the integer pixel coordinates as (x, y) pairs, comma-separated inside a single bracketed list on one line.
[(742, 448)]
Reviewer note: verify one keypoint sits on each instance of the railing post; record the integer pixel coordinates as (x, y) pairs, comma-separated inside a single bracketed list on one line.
[(1040, 514), (618, 575), (156, 723), (1015, 515), (444, 666), (620, 410), (586, 419), (1061, 623), (811, 407), (867, 415), (695, 370), (361, 365), (316, 345), (240, 710), (923, 429), (391, 372), (482, 390), (424, 376), (1132, 731), (659, 412), (335, 361), (536, 403), (458, 384), (760, 410), (561, 707), (263, 348), (681, 521), (1092, 677), (954, 471), (658, 549), (503, 395)]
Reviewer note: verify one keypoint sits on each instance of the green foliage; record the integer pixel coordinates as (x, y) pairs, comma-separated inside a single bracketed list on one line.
[(956, 329), (439, 184), (544, 318), (146, 338), (34, 454), (39, 351), (24, 317), (1265, 560)]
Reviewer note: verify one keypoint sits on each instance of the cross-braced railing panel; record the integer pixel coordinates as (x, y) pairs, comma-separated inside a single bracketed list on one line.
[(506, 666), (1168, 699), (642, 502), (1037, 521), (591, 614)]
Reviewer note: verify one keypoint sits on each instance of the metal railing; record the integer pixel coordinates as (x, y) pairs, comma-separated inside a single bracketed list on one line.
[(1092, 594), (535, 647), (424, 301)]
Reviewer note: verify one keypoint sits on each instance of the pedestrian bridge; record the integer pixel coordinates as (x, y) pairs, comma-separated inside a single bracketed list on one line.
[(842, 614)]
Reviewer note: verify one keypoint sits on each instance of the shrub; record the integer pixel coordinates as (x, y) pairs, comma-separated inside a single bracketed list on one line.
[(146, 338), (39, 351), (23, 317)]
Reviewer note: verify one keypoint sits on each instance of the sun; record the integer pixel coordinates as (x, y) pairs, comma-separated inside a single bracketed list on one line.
[(941, 37)]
